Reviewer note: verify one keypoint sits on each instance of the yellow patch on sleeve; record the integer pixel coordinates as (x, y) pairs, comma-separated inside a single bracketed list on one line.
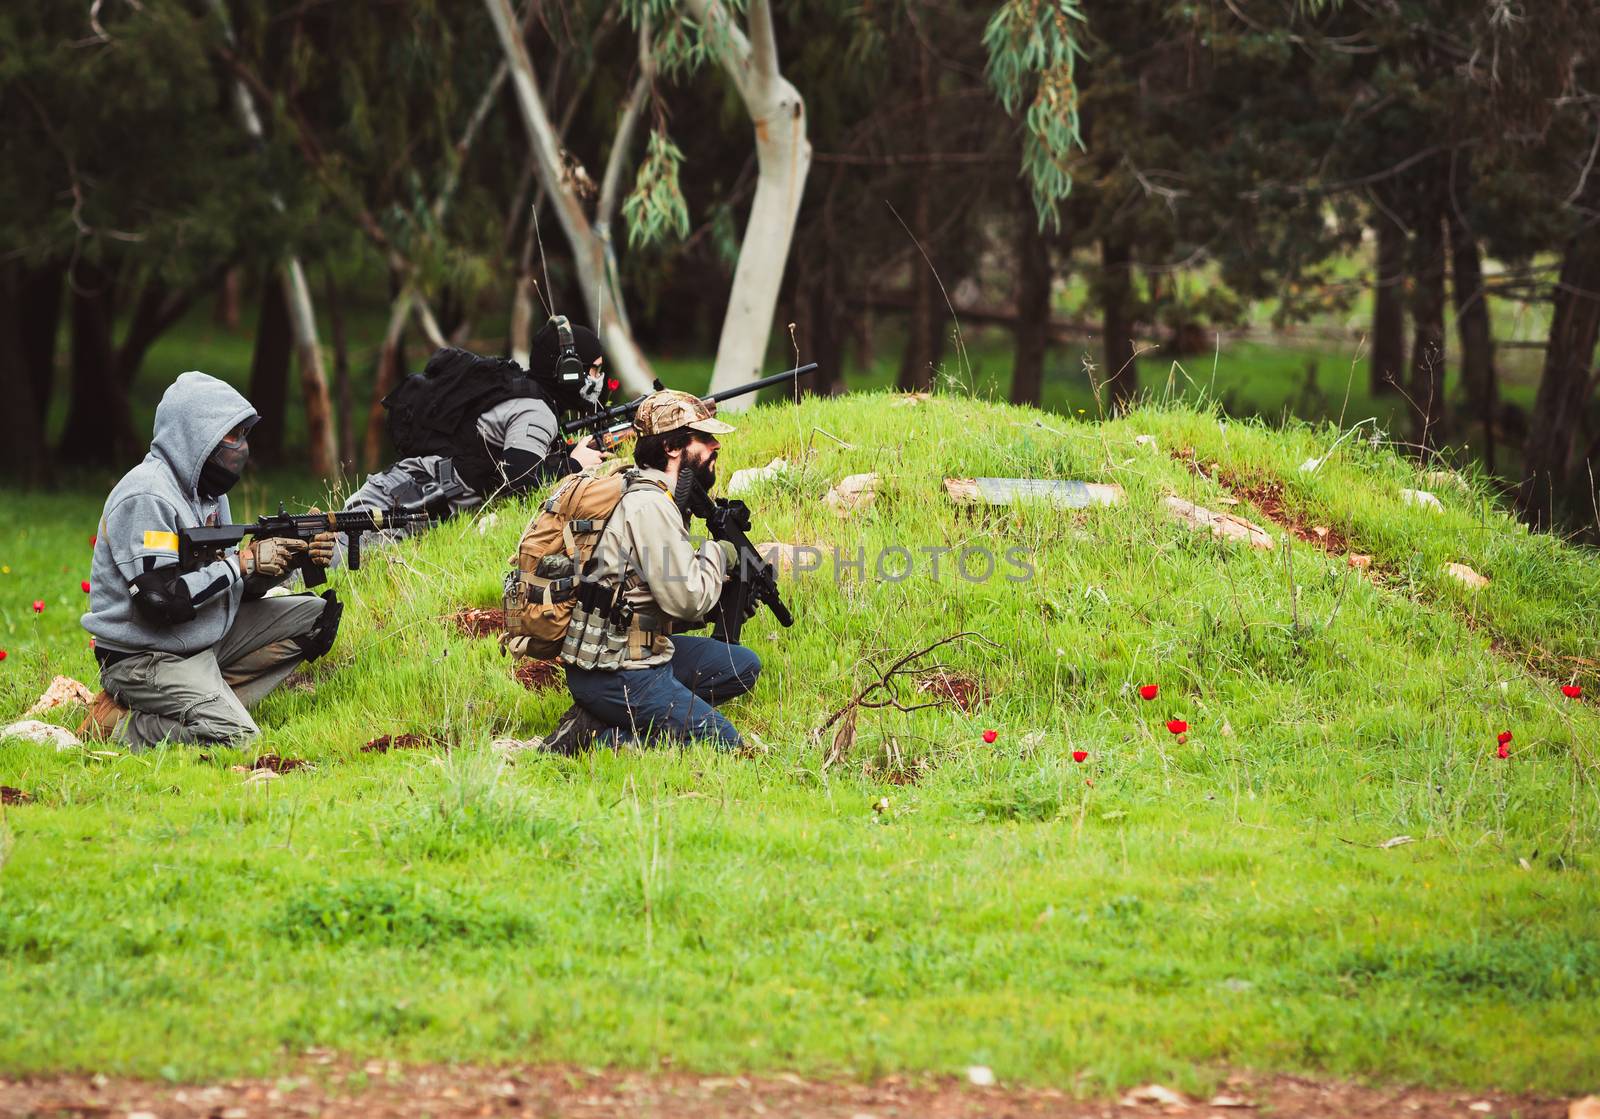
[(160, 541)]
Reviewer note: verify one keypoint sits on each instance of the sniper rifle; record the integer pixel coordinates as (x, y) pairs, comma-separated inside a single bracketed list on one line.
[(614, 426)]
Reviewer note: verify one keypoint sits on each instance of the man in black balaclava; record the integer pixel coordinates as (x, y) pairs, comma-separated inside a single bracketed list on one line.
[(474, 427), (183, 654)]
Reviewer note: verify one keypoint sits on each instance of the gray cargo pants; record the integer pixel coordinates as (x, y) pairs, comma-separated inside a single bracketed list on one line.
[(203, 697)]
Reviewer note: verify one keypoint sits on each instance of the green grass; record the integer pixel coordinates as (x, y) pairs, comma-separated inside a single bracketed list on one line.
[(1159, 911)]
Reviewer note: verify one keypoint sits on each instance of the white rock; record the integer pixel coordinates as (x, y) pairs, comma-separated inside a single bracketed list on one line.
[(1422, 499), (1466, 576), (981, 1075), (45, 734), (63, 690), (854, 492), (747, 479)]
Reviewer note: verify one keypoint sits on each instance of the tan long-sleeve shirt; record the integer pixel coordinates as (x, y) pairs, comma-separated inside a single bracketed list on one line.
[(646, 538)]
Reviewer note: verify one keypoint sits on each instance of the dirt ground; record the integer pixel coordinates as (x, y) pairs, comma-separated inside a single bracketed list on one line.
[(331, 1087)]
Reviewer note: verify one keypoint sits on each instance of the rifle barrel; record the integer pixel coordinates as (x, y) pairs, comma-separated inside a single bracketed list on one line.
[(625, 411)]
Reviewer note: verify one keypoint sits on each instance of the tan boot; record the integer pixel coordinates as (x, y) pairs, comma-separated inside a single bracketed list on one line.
[(104, 715)]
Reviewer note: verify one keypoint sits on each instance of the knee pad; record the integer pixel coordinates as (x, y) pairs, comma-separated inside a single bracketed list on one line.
[(319, 638)]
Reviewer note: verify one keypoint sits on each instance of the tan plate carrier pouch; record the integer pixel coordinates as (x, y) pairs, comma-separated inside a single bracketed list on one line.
[(541, 590)]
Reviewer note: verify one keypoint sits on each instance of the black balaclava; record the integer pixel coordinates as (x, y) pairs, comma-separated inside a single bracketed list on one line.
[(223, 467), (544, 355)]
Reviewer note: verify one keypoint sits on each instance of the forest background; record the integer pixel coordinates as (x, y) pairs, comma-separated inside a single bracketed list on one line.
[(1383, 208)]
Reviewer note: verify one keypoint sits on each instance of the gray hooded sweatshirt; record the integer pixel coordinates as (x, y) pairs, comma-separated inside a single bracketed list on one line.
[(139, 527)]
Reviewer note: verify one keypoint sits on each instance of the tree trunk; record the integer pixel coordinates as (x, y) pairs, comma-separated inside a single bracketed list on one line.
[(1568, 379), (1480, 393), (158, 310), (1121, 372), (923, 336), (38, 324), (783, 160), (269, 373), (821, 332), (99, 429), (601, 291), (23, 455), (390, 369), (322, 455), (230, 294), (1032, 334), (341, 376), (1427, 313), (1388, 308)]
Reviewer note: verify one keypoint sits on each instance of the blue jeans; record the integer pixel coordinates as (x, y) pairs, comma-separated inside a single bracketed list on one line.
[(674, 701)]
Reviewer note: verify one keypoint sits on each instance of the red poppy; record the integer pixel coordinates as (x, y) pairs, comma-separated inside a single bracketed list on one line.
[(3, 654), (989, 736), (613, 385), (38, 606), (1503, 750), (1177, 726), (1079, 755), (1504, 737), (1149, 691), (1571, 691), (85, 586)]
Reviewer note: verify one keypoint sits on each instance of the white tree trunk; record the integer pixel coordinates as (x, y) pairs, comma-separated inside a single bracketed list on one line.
[(783, 160), (323, 451), (600, 293)]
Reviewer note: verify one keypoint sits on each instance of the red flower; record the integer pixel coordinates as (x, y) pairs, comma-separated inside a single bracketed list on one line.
[(1177, 726), (1503, 750), (93, 539), (3, 654), (85, 586), (1504, 737), (612, 385), (1149, 691), (989, 736), (38, 606), (1571, 691), (1079, 755)]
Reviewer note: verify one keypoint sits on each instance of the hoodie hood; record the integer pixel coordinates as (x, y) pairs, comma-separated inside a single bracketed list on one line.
[(195, 412)]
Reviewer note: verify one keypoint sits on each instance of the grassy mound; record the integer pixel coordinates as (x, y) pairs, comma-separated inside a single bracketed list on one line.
[(930, 900)]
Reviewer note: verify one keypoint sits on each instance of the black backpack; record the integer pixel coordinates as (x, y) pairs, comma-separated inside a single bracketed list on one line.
[(435, 412)]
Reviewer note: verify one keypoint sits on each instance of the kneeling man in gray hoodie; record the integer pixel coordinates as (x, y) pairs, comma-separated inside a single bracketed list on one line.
[(183, 654)]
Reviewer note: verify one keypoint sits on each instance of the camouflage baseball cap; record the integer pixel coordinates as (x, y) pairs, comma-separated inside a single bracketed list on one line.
[(670, 409)]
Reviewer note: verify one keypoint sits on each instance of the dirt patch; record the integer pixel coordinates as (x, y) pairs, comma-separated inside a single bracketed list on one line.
[(326, 1085), (10, 794), (278, 764), (539, 676), (955, 688), (475, 621), (386, 742), (1267, 496)]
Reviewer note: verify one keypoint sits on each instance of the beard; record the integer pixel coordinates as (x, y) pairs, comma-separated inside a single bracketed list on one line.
[(706, 474)]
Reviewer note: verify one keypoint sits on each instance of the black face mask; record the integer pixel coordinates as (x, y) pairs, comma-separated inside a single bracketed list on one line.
[(222, 470)]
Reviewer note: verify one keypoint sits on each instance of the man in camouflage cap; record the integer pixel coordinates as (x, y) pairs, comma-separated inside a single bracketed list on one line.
[(628, 678)]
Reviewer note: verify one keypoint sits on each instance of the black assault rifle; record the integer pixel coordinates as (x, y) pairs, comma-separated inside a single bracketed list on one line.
[(614, 425), (752, 581), (204, 543)]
